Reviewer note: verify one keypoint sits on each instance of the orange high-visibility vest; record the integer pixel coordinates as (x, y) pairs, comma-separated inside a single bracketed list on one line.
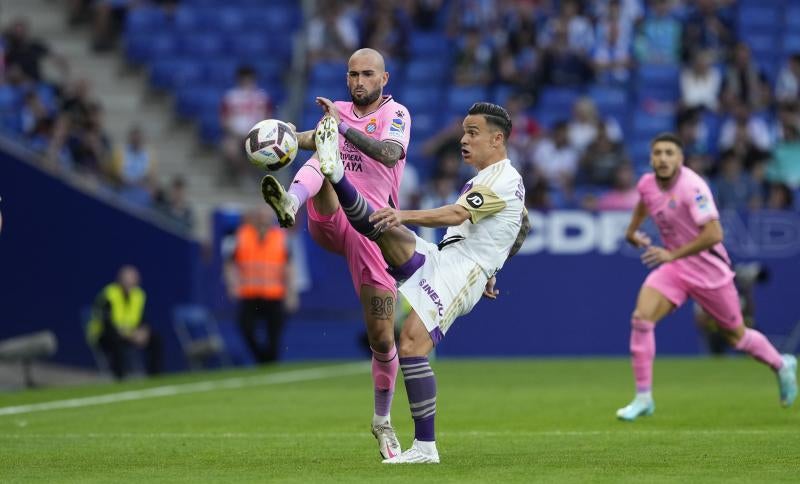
[(261, 262)]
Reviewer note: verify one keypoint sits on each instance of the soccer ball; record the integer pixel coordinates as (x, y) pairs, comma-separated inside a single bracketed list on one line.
[(271, 144)]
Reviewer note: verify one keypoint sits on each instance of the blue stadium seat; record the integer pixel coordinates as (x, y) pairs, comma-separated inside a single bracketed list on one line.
[(549, 117), (639, 151), (608, 98), (220, 71), (424, 125), (645, 125), (249, 47), (328, 72), (501, 93), (427, 71), (201, 46), (430, 45), (196, 20), (417, 98), (791, 17), (144, 20), (193, 100), (459, 99), (142, 48), (559, 99), (791, 43), (651, 75), (172, 73), (762, 18), (210, 129), (231, 19)]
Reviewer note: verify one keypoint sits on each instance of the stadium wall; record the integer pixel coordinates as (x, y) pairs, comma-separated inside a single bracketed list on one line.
[(60, 245)]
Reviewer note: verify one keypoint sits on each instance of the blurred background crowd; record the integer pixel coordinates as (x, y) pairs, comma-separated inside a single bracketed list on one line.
[(588, 84)]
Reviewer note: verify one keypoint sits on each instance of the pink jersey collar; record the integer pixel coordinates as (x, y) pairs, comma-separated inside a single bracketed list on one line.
[(386, 99)]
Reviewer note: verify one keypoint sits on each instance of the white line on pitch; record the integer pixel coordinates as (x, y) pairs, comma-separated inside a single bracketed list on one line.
[(197, 387), (454, 434)]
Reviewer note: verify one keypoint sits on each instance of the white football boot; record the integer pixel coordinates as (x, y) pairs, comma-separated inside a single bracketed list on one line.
[(326, 137), (388, 445), (419, 453), (639, 407)]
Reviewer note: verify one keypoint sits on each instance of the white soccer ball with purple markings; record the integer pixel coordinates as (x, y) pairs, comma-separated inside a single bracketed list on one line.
[(271, 144)]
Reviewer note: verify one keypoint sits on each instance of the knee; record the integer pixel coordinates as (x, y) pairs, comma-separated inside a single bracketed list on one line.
[(381, 341)]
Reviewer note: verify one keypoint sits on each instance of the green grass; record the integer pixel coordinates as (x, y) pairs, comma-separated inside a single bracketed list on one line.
[(498, 421)]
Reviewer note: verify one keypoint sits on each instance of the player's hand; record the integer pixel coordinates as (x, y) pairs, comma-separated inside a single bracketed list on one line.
[(329, 108), (638, 239), (655, 256), (490, 291), (386, 218)]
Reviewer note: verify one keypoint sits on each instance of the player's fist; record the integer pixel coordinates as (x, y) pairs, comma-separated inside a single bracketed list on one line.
[(489, 291)]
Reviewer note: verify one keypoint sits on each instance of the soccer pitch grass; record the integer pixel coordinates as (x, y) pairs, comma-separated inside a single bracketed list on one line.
[(497, 421)]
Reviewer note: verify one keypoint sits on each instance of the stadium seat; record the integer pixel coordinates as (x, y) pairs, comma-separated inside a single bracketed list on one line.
[(660, 75), (193, 100), (328, 72), (210, 129), (791, 42), (144, 20), (175, 73), (645, 125), (559, 99), (249, 47), (430, 45), (427, 71), (419, 97), (231, 19), (761, 18), (424, 125), (459, 99), (199, 336), (201, 46), (609, 98)]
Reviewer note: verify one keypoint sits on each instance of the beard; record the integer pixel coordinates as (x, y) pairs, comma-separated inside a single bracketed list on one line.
[(368, 98)]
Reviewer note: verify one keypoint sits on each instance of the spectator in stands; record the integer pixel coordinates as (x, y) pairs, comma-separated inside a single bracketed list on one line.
[(108, 21), (623, 195), (525, 133), (735, 188), (28, 53), (174, 204), (425, 12), (89, 144), (630, 11), (119, 326), (259, 275), (387, 28), (787, 87), (134, 167), (788, 119), (612, 52), (658, 40), (561, 65), (242, 107), (701, 83), (706, 27), (474, 62), (693, 132), (519, 57), (743, 127), (332, 33), (744, 82), (571, 26), (600, 160), (556, 159), (585, 122), (780, 197), (784, 167)]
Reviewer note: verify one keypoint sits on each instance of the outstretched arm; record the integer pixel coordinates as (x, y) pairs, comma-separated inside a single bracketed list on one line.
[(447, 216), (632, 235), (385, 152)]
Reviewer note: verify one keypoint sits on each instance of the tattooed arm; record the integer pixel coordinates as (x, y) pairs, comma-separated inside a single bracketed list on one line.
[(386, 152), (522, 235)]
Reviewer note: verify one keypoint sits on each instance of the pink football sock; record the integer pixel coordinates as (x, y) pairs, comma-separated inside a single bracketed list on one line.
[(758, 346), (307, 181), (384, 375), (643, 351)]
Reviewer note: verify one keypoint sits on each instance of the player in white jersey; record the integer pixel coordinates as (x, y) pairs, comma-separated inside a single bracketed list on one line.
[(487, 225)]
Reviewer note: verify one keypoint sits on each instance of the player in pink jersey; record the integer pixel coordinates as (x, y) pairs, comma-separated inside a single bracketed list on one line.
[(693, 263), (375, 131)]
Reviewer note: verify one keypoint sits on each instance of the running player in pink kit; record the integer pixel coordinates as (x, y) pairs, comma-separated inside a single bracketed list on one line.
[(375, 135), (693, 263)]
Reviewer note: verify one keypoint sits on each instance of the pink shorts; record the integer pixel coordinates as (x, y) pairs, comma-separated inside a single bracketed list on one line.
[(722, 303), (364, 258)]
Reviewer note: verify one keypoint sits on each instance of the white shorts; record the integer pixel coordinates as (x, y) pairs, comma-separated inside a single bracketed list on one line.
[(446, 286)]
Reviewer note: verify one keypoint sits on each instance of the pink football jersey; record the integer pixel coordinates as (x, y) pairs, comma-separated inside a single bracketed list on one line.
[(378, 183), (679, 212)]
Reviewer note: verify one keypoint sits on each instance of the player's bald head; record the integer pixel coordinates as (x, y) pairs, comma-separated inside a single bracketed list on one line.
[(371, 57)]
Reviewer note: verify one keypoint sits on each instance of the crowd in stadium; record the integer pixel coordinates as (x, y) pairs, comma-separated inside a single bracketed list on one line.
[(588, 84)]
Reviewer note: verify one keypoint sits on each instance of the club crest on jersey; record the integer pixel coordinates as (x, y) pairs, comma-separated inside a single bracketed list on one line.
[(398, 126), (702, 201), (672, 202), (371, 126)]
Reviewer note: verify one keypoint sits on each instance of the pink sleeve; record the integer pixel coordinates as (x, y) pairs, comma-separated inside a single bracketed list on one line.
[(397, 127), (698, 197)]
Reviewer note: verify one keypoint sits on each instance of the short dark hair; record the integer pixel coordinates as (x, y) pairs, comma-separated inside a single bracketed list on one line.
[(495, 115), (670, 137)]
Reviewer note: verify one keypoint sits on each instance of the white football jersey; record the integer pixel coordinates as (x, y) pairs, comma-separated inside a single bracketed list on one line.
[(495, 200)]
